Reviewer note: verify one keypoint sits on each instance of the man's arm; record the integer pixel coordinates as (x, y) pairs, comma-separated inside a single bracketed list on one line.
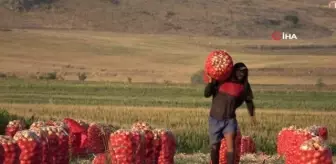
[(249, 100), (250, 107), (208, 90)]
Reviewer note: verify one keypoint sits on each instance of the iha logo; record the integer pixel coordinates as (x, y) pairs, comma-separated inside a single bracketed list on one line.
[(283, 36)]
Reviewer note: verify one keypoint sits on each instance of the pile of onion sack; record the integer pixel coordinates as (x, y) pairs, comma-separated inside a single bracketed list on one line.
[(301, 146), (14, 126), (218, 65), (243, 145), (139, 145)]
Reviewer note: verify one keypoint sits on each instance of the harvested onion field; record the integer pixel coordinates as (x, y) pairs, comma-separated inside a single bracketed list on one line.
[(177, 107), (153, 85)]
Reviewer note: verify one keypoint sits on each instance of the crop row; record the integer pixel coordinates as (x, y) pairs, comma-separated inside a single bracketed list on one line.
[(150, 95), (189, 125)]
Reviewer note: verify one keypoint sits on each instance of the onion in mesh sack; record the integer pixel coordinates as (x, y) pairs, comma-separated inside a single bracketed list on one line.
[(141, 126), (164, 146), (98, 136), (10, 150), (294, 141), (123, 148), (83, 123), (58, 142), (316, 130), (247, 145), (223, 150), (146, 130), (14, 126), (283, 142), (101, 158), (218, 65), (30, 147), (61, 124), (76, 134), (38, 124), (133, 147), (314, 151), (43, 134)]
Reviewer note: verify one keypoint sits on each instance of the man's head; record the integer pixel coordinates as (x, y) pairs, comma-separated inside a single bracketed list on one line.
[(240, 72)]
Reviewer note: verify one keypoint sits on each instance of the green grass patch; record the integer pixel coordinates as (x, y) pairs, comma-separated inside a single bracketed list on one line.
[(160, 95)]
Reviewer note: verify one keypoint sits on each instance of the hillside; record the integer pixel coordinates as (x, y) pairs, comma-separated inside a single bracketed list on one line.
[(238, 18)]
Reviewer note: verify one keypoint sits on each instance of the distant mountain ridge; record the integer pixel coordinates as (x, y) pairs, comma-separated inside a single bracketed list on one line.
[(230, 18)]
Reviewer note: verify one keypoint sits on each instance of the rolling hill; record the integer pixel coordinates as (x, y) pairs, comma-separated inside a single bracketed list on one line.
[(230, 18)]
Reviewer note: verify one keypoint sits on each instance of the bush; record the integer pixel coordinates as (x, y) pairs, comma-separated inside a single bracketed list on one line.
[(25, 5), (82, 76), (5, 117), (129, 79), (3, 75), (320, 83), (197, 78), (292, 18), (48, 76)]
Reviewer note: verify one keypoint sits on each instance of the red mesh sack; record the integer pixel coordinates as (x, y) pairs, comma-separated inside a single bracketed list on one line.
[(97, 137), (132, 147), (77, 144), (218, 65), (2, 153), (164, 146), (61, 124), (101, 158), (320, 131), (58, 142), (76, 132), (30, 147), (313, 151), (146, 130), (247, 145), (294, 143), (44, 143), (83, 148), (37, 124), (14, 126), (141, 126), (74, 126), (83, 124), (10, 149), (126, 147), (283, 140), (223, 150)]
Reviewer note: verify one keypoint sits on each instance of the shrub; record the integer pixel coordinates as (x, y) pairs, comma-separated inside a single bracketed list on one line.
[(129, 79), (320, 83), (82, 76), (25, 5), (5, 117), (197, 77), (48, 76), (3, 75), (292, 18)]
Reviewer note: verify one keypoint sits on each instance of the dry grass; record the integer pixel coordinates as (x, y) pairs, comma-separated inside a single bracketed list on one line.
[(145, 58), (238, 18), (191, 133)]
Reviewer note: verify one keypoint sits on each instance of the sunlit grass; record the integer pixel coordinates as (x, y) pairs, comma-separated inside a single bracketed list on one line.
[(189, 125)]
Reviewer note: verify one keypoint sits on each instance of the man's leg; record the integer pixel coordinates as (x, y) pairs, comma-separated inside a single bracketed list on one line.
[(230, 133), (214, 154), (231, 151), (216, 135)]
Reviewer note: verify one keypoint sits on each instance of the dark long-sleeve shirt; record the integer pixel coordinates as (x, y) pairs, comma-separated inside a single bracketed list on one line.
[(227, 97)]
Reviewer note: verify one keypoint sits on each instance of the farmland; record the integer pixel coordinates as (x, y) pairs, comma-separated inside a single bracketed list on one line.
[(153, 82), (122, 104)]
